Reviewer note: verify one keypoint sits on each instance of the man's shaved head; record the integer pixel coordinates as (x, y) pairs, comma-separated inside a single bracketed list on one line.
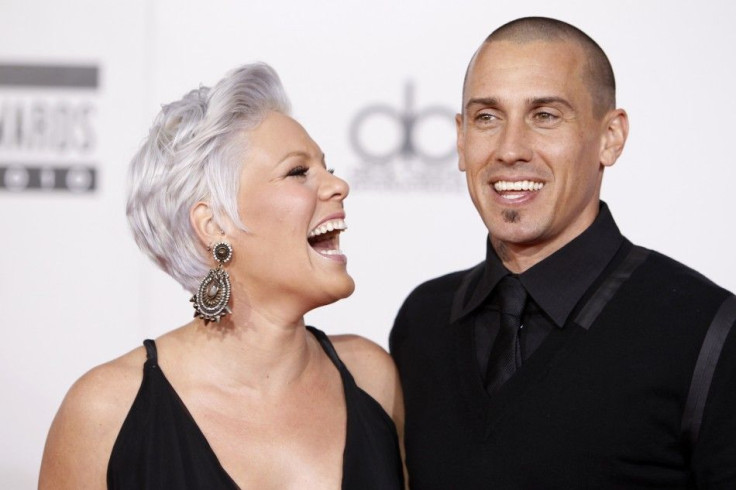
[(598, 74)]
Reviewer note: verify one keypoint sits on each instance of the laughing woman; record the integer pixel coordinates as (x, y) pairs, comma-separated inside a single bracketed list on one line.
[(231, 197)]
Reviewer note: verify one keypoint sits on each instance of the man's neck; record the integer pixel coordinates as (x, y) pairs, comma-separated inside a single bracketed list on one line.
[(519, 257)]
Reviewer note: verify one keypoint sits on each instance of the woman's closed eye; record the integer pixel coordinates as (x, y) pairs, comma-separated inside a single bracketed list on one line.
[(298, 171)]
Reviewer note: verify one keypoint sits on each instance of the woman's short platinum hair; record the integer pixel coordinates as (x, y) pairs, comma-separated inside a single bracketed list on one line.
[(194, 152)]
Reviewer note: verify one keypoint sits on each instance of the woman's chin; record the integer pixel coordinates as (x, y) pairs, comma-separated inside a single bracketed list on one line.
[(344, 289), (338, 290)]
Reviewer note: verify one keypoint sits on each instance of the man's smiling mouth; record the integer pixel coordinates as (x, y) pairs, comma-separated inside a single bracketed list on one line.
[(517, 185)]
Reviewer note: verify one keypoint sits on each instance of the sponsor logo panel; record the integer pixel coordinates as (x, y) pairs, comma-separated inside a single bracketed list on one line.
[(48, 135), (408, 147)]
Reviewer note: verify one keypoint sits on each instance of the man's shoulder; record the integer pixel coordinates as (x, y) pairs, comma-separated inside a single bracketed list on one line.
[(441, 287), (674, 275), (665, 288), (428, 306), (425, 313)]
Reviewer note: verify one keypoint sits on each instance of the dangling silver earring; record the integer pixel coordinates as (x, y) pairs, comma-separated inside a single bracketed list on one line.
[(210, 301)]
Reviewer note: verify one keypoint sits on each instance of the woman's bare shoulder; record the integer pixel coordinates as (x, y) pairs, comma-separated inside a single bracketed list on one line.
[(103, 389), (87, 423), (373, 369)]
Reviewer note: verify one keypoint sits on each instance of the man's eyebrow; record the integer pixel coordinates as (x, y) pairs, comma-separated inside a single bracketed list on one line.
[(482, 101), (537, 101), (532, 101)]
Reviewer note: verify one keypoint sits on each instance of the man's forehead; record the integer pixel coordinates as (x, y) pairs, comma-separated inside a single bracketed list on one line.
[(539, 51), (551, 64)]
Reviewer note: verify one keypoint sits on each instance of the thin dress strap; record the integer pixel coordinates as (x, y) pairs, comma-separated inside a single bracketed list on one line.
[(151, 354), (327, 347)]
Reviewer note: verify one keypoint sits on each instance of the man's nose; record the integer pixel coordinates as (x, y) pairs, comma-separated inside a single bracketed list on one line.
[(514, 143)]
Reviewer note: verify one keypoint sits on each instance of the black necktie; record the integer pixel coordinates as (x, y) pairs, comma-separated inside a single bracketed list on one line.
[(505, 356)]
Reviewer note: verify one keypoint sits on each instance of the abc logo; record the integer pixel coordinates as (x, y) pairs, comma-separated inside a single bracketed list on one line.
[(380, 133)]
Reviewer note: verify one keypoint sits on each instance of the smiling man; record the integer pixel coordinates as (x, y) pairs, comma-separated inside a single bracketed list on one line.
[(569, 358)]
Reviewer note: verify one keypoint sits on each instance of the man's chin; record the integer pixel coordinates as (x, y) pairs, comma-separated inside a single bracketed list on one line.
[(511, 227)]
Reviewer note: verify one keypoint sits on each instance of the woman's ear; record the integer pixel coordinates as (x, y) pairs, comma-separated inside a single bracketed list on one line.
[(202, 219)]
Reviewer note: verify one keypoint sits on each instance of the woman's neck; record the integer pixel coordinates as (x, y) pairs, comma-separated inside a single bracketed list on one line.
[(251, 349)]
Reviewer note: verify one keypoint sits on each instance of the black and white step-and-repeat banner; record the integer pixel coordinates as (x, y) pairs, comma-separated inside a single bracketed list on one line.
[(376, 84)]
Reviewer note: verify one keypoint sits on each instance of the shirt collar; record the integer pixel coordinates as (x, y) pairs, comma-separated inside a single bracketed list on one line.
[(557, 283)]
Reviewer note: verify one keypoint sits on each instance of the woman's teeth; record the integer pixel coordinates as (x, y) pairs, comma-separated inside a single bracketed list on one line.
[(335, 224), (324, 238)]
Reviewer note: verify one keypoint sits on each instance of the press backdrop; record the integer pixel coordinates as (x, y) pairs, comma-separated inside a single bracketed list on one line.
[(376, 84)]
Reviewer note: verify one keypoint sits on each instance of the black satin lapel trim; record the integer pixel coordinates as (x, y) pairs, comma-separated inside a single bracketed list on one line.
[(610, 286), (705, 367)]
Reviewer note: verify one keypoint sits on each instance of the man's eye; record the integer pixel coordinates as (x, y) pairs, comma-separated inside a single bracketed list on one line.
[(545, 116), (299, 171), (485, 117)]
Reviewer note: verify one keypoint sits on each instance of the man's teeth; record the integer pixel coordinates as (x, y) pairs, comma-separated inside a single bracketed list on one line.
[(519, 185), (335, 224), (336, 251)]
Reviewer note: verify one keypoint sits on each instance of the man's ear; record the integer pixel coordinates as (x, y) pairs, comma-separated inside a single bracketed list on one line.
[(202, 218), (460, 142), (613, 139)]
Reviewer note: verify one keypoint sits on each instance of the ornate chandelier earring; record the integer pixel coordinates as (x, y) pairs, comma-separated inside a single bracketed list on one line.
[(210, 301)]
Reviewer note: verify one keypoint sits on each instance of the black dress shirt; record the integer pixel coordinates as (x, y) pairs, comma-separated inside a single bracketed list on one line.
[(548, 305)]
